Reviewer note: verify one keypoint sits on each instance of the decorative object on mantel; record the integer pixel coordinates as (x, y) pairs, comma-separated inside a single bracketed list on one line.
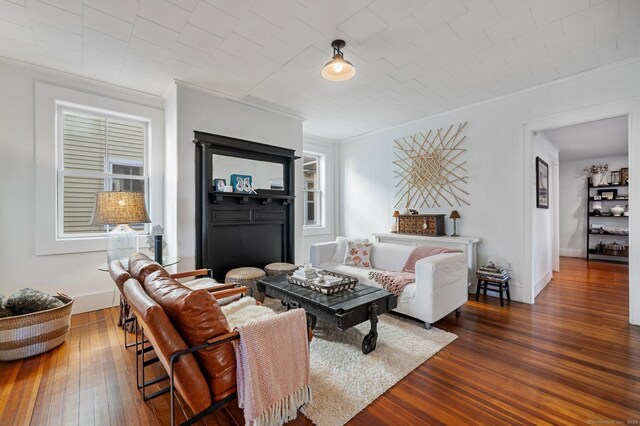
[(598, 174), (542, 184), (421, 224), (338, 69), (430, 169), (395, 226), (242, 184), (455, 216), (120, 208), (219, 185)]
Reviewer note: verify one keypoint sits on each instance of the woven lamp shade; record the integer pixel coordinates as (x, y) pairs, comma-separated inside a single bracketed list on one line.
[(121, 207)]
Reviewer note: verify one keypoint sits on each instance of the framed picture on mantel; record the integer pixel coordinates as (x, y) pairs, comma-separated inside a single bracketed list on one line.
[(542, 184)]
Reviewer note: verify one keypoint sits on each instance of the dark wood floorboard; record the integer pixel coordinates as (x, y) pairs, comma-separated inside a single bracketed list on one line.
[(572, 358)]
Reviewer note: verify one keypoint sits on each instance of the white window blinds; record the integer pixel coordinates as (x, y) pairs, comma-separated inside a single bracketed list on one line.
[(98, 153)]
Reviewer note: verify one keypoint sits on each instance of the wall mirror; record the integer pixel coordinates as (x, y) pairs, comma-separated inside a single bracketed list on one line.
[(259, 175)]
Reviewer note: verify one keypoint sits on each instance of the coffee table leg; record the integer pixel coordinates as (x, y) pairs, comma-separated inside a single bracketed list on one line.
[(311, 321), (370, 340)]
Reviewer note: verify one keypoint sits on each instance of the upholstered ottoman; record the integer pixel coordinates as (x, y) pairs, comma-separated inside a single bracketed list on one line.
[(279, 268), (246, 277)]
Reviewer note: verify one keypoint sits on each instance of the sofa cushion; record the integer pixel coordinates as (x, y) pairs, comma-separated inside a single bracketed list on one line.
[(198, 318), (362, 274), (390, 257), (166, 341)]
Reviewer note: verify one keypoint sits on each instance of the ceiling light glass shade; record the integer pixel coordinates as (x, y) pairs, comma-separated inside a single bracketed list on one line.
[(338, 69)]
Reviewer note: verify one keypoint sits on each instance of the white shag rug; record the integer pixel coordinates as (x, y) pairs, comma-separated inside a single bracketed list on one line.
[(344, 381)]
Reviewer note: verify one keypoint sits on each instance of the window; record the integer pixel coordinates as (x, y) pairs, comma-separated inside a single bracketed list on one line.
[(97, 152), (312, 190)]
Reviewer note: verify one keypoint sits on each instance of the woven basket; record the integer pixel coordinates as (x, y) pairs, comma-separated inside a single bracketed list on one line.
[(27, 335)]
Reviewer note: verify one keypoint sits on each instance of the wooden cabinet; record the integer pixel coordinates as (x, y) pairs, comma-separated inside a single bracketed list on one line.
[(421, 224)]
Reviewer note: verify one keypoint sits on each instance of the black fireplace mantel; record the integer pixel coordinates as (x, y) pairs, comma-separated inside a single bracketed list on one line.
[(236, 230)]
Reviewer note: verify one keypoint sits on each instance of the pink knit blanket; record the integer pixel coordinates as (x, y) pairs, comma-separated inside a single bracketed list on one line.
[(420, 253), (272, 358), (393, 282)]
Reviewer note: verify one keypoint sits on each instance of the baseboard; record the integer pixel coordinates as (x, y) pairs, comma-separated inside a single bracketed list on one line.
[(572, 252), (542, 282), (95, 301)]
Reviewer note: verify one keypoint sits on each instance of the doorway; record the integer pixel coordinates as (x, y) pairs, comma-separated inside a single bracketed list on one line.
[(631, 109)]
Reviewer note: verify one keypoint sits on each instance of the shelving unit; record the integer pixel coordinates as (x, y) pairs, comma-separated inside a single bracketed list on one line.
[(606, 237)]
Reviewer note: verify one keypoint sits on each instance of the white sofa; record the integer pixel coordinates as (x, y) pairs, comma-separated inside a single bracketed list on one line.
[(441, 280)]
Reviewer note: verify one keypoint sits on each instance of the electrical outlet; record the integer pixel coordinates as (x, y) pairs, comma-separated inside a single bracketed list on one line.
[(508, 266)]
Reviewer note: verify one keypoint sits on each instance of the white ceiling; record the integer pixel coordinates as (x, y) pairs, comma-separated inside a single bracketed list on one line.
[(601, 138), (414, 57)]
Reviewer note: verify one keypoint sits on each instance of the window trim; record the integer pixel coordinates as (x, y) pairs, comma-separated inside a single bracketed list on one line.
[(46, 98), (62, 108), (320, 227)]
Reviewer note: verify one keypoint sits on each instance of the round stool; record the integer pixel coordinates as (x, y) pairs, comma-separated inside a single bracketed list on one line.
[(279, 268), (246, 277)]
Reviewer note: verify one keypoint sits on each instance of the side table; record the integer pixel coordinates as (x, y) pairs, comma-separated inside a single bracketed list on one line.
[(497, 284)]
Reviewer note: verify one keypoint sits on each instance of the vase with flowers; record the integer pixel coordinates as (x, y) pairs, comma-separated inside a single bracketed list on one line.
[(598, 174)]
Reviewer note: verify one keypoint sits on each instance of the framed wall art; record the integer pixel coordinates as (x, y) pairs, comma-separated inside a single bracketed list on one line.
[(542, 184)]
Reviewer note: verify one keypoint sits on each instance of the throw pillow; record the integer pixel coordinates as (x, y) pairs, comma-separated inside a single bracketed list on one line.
[(29, 300), (358, 254), (341, 248), (4, 312)]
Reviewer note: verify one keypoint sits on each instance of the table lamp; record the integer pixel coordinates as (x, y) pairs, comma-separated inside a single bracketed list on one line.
[(455, 216), (120, 208), (396, 215)]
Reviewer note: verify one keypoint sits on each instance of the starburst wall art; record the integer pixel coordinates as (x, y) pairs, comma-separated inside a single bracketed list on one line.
[(429, 168)]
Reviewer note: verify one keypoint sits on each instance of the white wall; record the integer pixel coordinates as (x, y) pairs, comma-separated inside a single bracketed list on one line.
[(330, 150), (205, 112), (573, 204), (495, 169), (543, 230), (75, 273)]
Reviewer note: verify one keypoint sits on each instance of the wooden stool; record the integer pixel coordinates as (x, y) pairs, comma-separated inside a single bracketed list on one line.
[(496, 284), (246, 277), (279, 268)]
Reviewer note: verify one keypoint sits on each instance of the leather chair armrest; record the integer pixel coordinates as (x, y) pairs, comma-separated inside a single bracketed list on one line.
[(221, 294)]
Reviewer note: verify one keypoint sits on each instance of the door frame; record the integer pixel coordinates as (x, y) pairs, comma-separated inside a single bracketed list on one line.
[(630, 108)]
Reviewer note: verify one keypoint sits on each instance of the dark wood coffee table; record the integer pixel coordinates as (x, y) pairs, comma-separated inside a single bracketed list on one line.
[(344, 309)]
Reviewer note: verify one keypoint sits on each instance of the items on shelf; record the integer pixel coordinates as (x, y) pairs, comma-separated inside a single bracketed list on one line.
[(602, 210)]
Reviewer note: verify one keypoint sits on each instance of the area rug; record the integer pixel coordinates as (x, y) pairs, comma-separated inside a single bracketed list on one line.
[(344, 381)]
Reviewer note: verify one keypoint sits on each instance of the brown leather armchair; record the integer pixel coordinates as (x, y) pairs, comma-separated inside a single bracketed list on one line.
[(188, 333)]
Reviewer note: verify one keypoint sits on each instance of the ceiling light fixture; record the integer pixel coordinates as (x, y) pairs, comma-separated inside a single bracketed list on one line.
[(338, 69)]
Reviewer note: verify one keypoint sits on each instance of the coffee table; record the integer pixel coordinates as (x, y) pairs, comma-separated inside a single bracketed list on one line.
[(344, 310)]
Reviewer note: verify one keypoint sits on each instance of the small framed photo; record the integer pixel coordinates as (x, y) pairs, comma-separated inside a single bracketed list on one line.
[(542, 184), (219, 184), (608, 194), (597, 198)]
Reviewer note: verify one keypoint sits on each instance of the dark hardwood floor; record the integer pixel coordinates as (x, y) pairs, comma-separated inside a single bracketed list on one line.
[(572, 358)]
